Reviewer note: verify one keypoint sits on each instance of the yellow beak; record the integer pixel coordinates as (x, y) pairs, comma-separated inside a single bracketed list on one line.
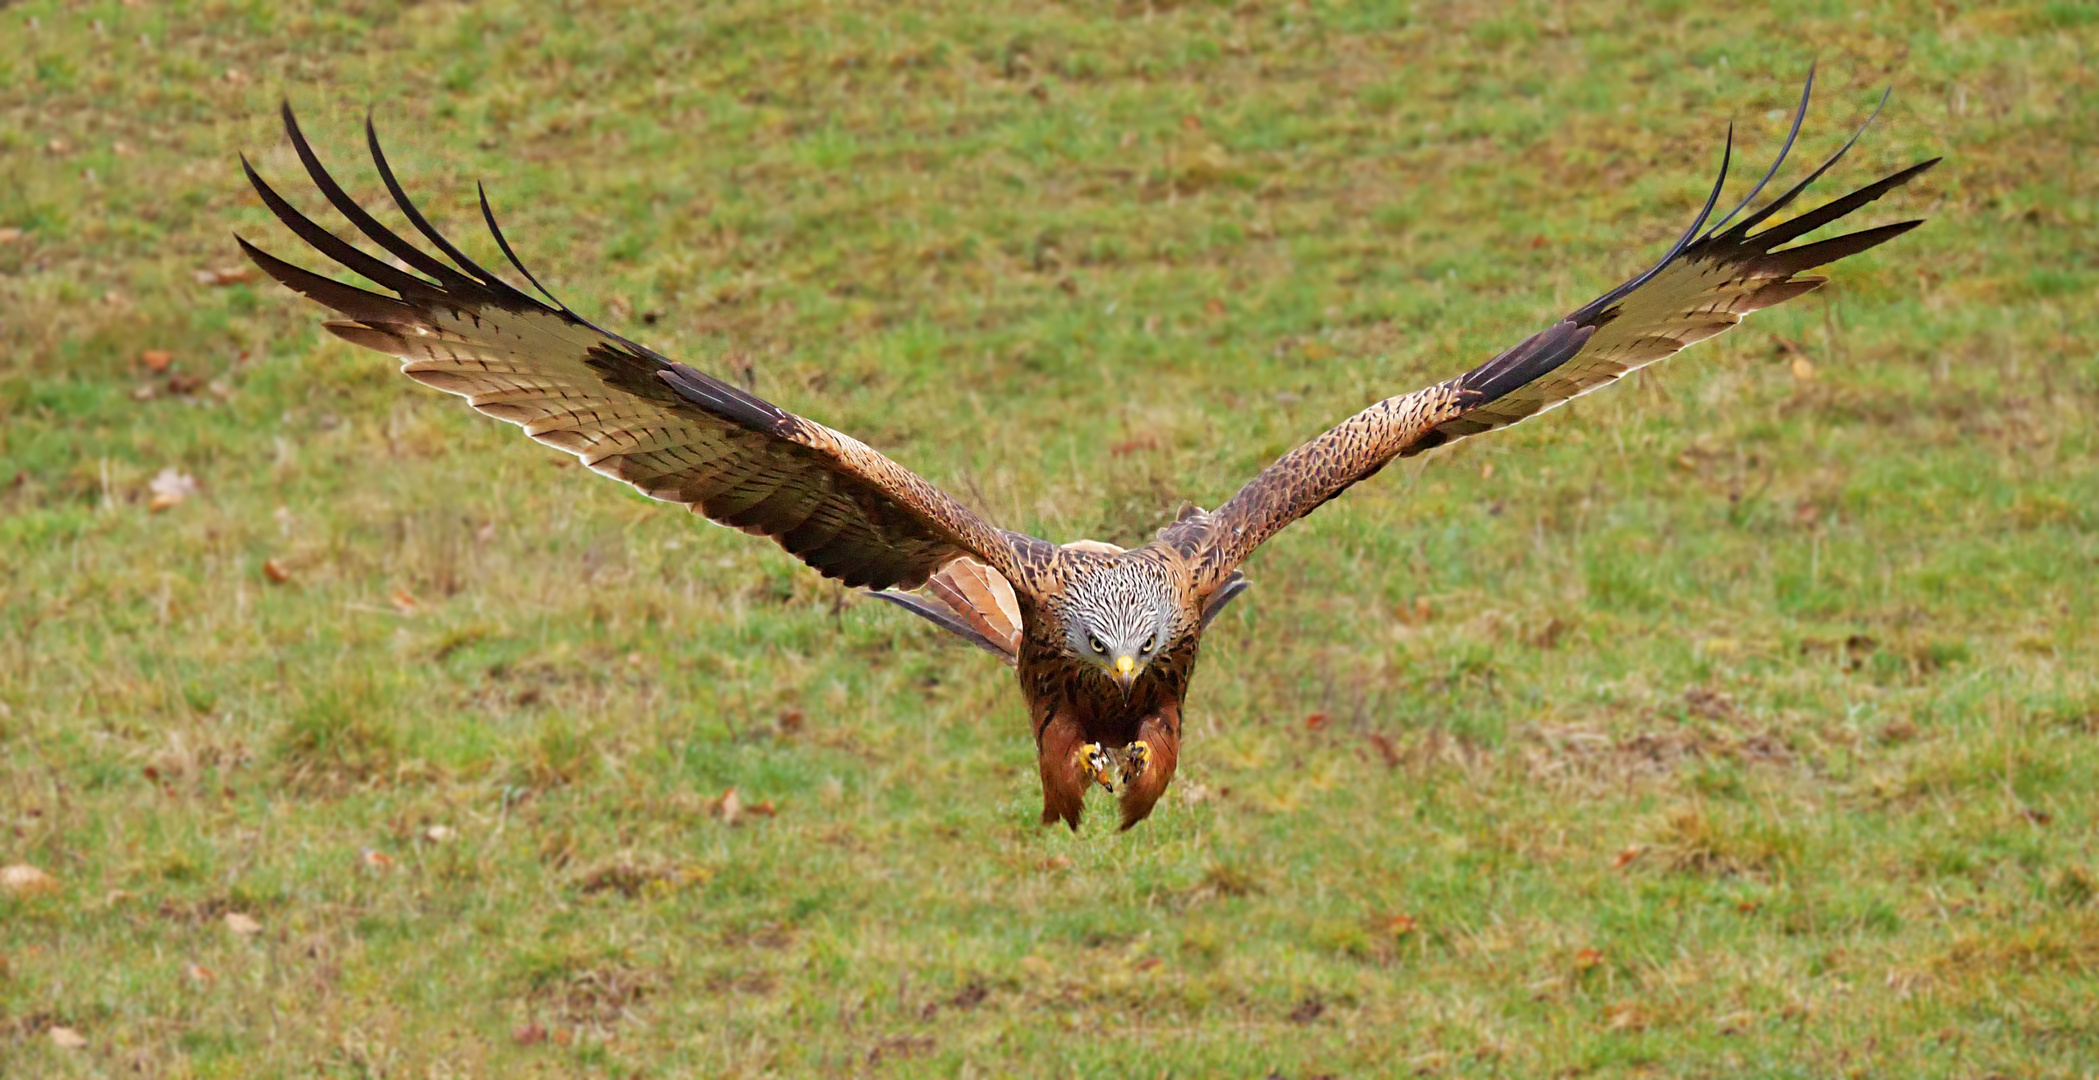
[(1125, 674)]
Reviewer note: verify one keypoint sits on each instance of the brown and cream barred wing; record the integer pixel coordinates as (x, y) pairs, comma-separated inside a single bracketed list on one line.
[(1303, 480), (673, 432), (1701, 291), (1704, 285)]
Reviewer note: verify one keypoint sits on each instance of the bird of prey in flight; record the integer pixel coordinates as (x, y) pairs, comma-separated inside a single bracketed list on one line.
[(1104, 639)]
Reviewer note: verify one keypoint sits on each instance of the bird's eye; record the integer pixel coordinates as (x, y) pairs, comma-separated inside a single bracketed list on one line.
[(1151, 643), (1099, 646)]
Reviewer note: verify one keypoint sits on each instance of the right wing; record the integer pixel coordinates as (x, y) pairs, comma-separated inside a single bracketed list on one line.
[(1704, 285), (675, 433)]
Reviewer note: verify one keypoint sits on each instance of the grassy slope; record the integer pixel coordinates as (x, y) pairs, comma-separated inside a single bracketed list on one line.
[(1822, 648)]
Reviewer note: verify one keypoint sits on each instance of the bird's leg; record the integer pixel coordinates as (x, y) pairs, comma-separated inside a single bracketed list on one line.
[(1135, 757), (1060, 746), (1150, 763), (1093, 763)]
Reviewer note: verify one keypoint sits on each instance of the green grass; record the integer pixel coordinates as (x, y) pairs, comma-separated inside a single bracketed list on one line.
[(1811, 657)]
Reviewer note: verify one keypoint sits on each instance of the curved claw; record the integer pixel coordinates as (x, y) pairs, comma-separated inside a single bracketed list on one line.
[(1134, 761), (1093, 762)]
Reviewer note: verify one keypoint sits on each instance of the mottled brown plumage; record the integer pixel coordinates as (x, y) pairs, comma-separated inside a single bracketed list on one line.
[(1104, 640)]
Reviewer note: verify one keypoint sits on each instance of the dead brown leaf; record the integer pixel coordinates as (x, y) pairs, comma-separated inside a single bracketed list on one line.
[(1803, 369), (9, 235), (404, 601), (902, 1046), (275, 571), (244, 925), (156, 360), (1625, 858), (66, 1038), (169, 489), (22, 879), (628, 879), (226, 275), (729, 807), (1626, 1016)]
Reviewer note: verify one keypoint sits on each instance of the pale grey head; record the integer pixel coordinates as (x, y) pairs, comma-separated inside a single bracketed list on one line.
[(1119, 617)]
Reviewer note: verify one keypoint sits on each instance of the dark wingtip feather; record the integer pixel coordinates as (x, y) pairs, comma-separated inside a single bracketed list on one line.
[(1808, 256), (503, 289), (1594, 307), (1799, 117), (1742, 227), (1836, 208), (356, 214), (347, 299), (496, 230), (333, 246)]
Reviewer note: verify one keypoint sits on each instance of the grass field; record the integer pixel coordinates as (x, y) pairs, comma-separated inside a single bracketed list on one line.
[(1741, 720)]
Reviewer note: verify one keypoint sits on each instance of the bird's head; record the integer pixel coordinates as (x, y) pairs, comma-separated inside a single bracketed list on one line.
[(1119, 618)]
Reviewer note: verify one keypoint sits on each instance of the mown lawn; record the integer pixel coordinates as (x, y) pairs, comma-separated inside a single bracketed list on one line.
[(1741, 720)]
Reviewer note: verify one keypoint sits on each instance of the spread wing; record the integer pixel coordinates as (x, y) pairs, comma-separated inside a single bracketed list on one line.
[(1704, 285), (673, 432)]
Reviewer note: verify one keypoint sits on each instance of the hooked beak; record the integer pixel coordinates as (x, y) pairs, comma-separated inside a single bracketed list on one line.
[(1125, 673)]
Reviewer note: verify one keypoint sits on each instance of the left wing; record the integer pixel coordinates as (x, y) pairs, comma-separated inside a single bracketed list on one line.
[(674, 432), (1704, 285)]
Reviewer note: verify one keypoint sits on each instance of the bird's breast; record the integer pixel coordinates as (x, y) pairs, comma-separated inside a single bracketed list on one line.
[(1059, 686)]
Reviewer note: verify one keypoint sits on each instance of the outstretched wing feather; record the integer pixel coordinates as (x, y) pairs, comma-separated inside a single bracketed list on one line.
[(673, 432), (1705, 285)]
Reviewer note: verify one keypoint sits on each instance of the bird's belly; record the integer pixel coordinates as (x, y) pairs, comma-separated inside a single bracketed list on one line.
[(1103, 713)]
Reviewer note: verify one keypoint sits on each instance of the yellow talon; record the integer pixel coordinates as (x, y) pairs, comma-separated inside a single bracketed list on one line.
[(1138, 756), (1093, 760)]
